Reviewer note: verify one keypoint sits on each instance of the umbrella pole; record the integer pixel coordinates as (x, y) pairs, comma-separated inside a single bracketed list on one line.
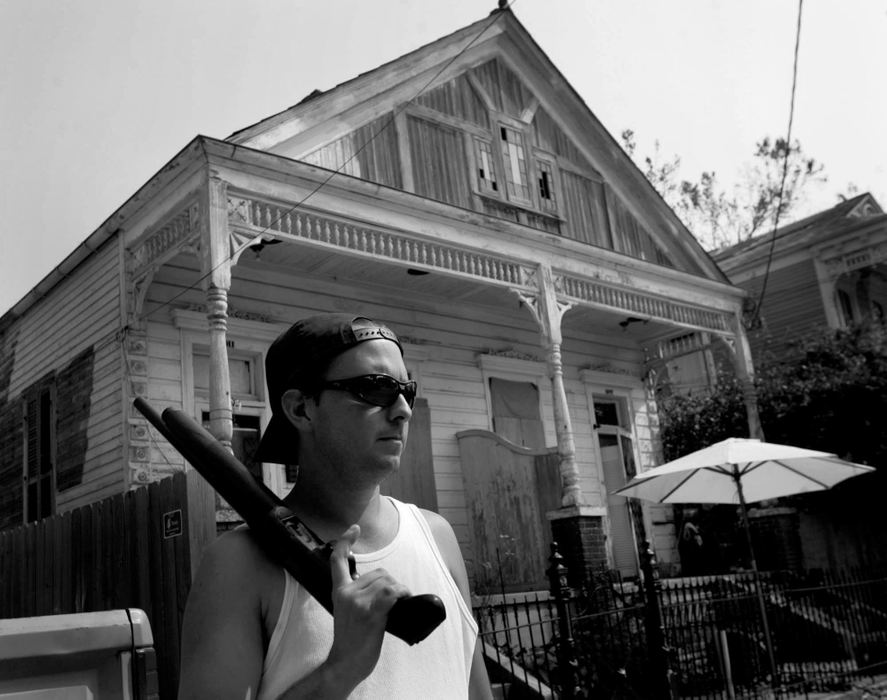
[(768, 639)]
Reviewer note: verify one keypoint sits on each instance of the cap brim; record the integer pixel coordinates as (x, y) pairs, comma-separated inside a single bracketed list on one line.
[(280, 443)]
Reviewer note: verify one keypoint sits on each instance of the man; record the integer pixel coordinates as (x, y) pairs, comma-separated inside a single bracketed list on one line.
[(341, 401)]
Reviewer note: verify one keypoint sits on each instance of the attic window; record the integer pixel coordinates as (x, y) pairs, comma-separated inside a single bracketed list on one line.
[(546, 185), (516, 179), (486, 171)]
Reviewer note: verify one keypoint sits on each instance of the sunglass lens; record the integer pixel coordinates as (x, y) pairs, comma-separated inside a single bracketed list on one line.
[(383, 391)]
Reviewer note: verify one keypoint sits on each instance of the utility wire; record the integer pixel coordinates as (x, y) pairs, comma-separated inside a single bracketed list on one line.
[(388, 124), (788, 149)]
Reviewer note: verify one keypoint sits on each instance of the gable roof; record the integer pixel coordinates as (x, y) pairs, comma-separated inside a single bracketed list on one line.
[(323, 117), (844, 217)]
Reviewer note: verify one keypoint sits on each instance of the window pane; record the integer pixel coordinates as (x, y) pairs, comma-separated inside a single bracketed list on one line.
[(240, 370), (515, 163), (515, 407), (606, 413), (486, 172), (241, 376), (546, 186)]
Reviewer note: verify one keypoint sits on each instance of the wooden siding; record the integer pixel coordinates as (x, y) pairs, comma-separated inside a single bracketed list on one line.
[(457, 98), (585, 209), (369, 152), (447, 337), (548, 136), (630, 237), (506, 90), (82, 312), (440, 169), (792, 306)]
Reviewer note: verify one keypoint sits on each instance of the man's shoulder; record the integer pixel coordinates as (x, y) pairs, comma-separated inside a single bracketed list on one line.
[(443, 534), (236, 552)]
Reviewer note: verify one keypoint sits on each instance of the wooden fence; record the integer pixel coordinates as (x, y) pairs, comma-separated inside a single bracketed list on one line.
[(135, 550)]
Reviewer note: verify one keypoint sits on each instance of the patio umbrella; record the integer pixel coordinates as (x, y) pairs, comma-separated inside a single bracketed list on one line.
[(742, 471)]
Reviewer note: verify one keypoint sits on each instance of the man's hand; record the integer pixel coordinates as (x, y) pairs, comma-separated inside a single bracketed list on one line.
[(360, 612)]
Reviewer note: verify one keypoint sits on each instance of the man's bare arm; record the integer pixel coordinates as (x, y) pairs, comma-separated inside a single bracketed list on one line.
[(222, 636)]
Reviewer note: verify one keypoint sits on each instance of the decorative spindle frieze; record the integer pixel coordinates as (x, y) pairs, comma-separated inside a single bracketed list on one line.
[(170, 236), (250, 218), (855, 260), (642, 305)]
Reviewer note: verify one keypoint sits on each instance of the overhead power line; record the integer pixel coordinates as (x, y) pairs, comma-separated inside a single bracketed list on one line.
[(788, 149)]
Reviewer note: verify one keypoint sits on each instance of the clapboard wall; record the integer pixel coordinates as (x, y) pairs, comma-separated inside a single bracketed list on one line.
[(69, 343)]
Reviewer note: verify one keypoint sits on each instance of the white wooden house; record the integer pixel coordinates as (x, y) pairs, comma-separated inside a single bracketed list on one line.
[(462, 193)]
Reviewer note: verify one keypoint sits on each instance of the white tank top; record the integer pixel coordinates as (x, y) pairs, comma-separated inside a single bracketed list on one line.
[(436, 668)]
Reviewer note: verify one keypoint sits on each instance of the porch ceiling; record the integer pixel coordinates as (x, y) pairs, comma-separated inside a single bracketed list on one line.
[(387, 280)]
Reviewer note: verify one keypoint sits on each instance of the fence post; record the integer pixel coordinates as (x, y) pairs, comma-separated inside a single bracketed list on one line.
[(566, 653), (655, 629)]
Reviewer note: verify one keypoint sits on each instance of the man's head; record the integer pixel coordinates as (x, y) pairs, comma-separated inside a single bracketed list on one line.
[(297, 364)]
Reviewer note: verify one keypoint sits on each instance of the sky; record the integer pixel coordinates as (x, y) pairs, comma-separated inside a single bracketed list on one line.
[(96, 95)]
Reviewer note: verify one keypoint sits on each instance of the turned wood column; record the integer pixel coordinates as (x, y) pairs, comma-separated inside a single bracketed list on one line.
[(548, 312), (216, 263)]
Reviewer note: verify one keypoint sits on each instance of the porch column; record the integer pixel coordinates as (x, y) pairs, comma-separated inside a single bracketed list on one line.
[(742, 363), (216, 269), (548, 312)]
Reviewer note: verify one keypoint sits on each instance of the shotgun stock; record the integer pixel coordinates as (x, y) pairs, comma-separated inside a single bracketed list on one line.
[(283, 537)]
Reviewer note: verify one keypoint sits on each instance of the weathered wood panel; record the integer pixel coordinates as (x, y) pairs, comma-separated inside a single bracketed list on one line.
[(457, 98), (509, 489), (369, 152), (440, 169), (585, 210), (504, 87)]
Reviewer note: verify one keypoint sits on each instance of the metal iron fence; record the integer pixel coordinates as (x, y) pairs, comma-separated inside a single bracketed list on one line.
[(700, 637)]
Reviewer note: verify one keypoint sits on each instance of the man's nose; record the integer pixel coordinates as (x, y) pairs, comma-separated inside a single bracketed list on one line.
[(400, 408)]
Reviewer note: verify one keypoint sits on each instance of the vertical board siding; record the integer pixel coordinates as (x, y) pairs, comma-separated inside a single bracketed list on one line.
[(108, 555), (457, 98), (504, 87), (585, 210), (369, 152), (630, 237), (440, 168), (549, 136)]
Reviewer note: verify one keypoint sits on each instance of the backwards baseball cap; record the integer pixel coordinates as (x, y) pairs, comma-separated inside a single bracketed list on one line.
[(298, 359)]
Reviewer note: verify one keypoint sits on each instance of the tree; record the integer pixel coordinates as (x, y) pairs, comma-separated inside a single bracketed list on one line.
[(718, 216), (831, 396)]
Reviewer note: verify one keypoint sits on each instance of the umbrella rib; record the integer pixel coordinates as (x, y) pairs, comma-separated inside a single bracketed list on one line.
[(677, 486), (801, 474)]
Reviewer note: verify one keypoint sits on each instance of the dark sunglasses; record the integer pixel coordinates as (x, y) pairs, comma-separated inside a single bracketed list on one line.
[(377, 389)]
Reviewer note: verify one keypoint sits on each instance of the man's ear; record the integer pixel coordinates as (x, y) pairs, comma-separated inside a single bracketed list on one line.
[(295, 407)]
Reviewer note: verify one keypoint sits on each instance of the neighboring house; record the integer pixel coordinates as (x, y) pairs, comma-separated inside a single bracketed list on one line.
[(828, 270), (463, 194)]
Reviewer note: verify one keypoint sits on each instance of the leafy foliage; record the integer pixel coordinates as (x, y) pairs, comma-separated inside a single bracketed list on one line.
[(719, 216), (832, 396)]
